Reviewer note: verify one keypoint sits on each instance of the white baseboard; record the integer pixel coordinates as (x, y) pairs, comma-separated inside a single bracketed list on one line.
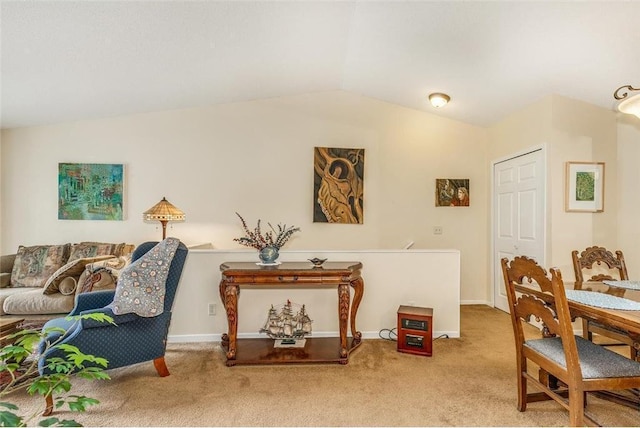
[(476, 302), (192, 338)]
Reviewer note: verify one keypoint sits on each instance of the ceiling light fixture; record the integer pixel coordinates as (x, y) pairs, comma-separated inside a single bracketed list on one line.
[(438, 99), (629, 104)]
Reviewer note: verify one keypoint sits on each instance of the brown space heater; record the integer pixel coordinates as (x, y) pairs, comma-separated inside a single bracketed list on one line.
[(415, 333)]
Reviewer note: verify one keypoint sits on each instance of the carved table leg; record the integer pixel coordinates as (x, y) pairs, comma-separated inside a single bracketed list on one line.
[(343, 314), (225, 340), (358, 287), (225, 337), (229, 294), (221, 288)]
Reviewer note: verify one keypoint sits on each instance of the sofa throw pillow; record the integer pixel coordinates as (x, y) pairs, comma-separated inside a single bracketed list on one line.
[(102, 275), (99, 278), (34, 265), (91, 249), (123, 249), (141, 285), (68, 286), (73, 269), (114, 264)]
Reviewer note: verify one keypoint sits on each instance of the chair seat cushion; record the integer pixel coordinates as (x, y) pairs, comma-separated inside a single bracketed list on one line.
[(595, 361)]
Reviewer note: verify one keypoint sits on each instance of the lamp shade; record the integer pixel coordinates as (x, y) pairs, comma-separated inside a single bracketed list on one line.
[(164, 212)]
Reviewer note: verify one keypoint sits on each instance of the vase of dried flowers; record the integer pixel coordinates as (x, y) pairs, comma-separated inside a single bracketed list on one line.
[(268, 243)]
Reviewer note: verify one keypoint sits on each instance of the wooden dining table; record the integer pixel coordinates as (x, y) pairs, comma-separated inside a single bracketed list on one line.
[(626, 321)]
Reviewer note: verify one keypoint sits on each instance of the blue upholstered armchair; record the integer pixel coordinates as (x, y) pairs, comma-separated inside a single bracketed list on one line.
[(134, 339)]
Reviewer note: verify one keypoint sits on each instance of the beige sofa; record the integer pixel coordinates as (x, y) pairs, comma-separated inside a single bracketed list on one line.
[(42, 281)]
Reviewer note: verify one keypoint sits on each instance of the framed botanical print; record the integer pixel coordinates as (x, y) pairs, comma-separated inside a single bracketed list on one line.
[(584, 187)]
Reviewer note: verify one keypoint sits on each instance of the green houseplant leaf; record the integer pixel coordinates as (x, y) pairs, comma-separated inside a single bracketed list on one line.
[(20, 363)]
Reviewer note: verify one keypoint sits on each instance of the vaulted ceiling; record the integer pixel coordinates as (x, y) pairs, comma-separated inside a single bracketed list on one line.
[(65, 61)]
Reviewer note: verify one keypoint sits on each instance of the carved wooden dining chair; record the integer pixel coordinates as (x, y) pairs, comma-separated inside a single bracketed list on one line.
[(597, 264), (578, 364)]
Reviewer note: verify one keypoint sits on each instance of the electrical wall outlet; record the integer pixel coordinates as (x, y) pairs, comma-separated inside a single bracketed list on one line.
[(437, 230), (212, 309)]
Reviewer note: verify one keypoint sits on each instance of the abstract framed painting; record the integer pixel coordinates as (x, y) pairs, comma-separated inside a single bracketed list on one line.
[(584, 187), (90, 191), (338, 185), (452, 192)]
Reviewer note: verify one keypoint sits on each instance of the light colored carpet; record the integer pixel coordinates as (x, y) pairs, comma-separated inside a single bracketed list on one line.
[(470, 381)]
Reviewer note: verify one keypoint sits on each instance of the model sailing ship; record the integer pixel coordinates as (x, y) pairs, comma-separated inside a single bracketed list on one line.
[(284, 324)]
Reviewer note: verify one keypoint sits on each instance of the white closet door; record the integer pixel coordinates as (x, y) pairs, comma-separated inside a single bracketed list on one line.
[(519, 210)]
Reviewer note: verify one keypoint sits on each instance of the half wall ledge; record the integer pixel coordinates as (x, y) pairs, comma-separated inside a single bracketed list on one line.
[(420, 277)]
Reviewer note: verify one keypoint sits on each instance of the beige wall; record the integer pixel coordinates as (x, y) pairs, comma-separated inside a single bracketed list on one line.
[(628, 182), (581, 132), (2, 202), (391, 278), (570, 130), (521, 130), (519, 133), (257, 158)]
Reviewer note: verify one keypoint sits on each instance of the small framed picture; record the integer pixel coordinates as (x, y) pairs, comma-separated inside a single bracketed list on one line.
[(452, 192), (584, 187)]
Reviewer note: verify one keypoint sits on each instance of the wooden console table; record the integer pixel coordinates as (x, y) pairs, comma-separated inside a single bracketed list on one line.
[(341, 275)]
